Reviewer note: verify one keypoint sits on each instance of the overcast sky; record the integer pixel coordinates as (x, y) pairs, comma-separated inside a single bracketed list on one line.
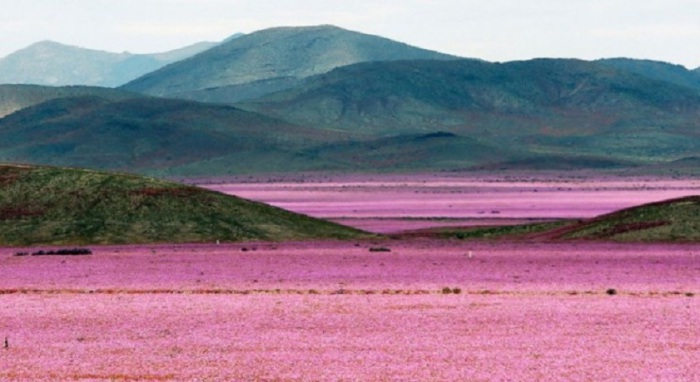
[(494, 30)]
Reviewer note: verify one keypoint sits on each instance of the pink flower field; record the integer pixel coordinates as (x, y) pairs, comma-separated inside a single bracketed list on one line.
[(393, 203), (416, 310), (336, 311)]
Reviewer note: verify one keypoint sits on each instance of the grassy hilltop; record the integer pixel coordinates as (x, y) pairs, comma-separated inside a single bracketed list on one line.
[(676, 220), (668, 221), (46, 205)]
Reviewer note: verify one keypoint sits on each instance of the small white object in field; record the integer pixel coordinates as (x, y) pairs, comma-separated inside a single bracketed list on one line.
[(470, 254)]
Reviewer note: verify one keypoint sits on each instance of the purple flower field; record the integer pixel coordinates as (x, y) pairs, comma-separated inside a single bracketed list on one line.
[(427, 310), (335, 311)]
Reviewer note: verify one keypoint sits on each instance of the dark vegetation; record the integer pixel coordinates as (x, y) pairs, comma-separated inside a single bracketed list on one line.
[(57, 206), (58, 252)]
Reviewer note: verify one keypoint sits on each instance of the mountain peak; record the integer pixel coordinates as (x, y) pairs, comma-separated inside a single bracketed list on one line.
[(278, 57)]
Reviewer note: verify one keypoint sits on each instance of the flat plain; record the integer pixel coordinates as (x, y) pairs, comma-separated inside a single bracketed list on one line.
[(382, 309)]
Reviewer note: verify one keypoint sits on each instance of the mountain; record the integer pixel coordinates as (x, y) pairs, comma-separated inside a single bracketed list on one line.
[(55, 64), (662, 71), (667, 221), (549, 107), (17, 97), (269, 60), (58, 206), (156, 136)]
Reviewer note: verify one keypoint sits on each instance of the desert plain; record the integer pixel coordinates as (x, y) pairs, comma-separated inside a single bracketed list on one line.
[(397, 307)]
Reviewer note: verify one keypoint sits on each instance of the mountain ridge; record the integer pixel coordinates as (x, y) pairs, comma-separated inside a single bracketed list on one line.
[(284, 54), (56, 64)]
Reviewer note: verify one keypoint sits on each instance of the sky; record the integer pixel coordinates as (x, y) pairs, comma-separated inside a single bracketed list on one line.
[(493, 30)]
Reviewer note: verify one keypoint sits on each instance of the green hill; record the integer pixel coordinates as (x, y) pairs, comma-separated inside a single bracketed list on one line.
[(550, 108), (17, 97), (156, 136), (272, 59), (663, 71), (57, 206), (676, 220)]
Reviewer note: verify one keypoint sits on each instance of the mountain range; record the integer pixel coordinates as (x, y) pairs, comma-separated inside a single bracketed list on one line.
[(55, 64), (325, 98), (270, 60)]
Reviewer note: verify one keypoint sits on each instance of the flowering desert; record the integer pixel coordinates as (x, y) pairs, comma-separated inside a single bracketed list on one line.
[(405, 308)]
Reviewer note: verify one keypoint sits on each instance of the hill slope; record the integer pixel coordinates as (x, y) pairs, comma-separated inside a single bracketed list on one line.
[(17, 97), (675, 74), (55, 64), (155, 136), (273, 59), (42, 206), (676, 220), (551, 107)]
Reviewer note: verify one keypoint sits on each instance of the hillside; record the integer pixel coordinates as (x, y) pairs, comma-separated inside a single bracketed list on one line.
[(547, 107), (155, 136), (676, 220), (269, 60), (662, 71), (55, 64), (17, 97), (55, 206)]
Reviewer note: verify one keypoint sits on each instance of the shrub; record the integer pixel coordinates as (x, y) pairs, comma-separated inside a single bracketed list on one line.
[(456, 290), (61, 252), (379, 249), (611, 291), (446, 290)]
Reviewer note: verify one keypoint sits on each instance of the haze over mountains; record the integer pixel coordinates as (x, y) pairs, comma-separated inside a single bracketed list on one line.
[(324, 98), (55, 64)]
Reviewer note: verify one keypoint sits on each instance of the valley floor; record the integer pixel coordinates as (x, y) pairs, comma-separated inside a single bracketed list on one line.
[(426, 310), (395, 203), (390, 309)]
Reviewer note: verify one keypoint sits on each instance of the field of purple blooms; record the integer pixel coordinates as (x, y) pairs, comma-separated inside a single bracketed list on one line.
[(420, 310)]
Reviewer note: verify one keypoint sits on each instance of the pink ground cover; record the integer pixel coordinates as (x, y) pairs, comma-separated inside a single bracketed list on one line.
[(336, 311), (354, 199)]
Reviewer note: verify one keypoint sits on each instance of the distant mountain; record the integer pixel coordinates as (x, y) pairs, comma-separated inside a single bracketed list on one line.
[(156, 136), (379, 116), (662, 71), (59, 206), (551, 107), (270, 60), (17, 97), (55, 64)]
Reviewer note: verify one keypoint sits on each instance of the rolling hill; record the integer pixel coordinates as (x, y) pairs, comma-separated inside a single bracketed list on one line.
[(663, 71), (269, 60), (58, 206), (55, 64), (17, 97), (547, 107), (156, 136), (676, 220)]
